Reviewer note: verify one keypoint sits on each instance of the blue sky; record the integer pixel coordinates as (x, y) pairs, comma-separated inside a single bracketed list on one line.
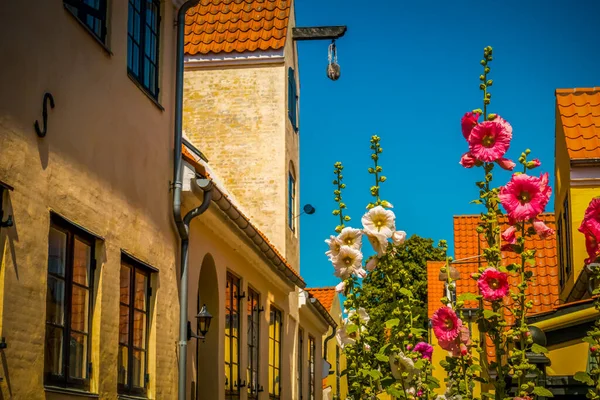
[(410, 70)]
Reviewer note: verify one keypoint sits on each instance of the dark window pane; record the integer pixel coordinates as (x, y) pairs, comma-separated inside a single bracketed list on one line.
[(57, 249), (122, 364), (78, 355), (79, 309), (55, 303), (54, 350)]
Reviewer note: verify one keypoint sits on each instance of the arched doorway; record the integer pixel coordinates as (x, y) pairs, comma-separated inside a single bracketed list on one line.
[(207, 352)]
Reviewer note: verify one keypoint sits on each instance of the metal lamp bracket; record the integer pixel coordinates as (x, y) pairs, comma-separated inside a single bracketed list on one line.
[(9, 219)]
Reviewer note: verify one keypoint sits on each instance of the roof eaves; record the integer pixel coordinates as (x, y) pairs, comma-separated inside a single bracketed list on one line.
[(317, 306)]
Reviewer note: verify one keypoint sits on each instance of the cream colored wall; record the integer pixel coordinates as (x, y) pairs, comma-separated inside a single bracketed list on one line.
[(233, 115), (212, 233), (105, 164)]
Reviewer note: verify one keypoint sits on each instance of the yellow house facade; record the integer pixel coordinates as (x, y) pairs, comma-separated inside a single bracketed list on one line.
[(88, 280)]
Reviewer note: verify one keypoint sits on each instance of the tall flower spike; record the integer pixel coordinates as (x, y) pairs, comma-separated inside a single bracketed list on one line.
[(376, 170), (337, 196)]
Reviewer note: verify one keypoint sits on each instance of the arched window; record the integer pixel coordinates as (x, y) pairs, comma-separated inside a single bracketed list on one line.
[(292, 198)]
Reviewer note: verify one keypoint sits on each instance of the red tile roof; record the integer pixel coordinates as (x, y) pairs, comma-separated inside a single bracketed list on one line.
[(579, 111), (543, 290), (435, 287), (225, 26), (324, 295)]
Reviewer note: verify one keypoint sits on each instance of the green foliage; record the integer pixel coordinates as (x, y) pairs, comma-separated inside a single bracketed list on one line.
[(407, 265), (584, 377)]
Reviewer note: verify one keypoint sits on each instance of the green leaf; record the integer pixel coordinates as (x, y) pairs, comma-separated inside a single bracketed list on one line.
[(488, 395), (487, 314), (542, 391), (475, 368), (382, 357), (394, 392), (387, 381), (433, 382), (589, 340), (351, 329), (583, 377), (468, 296), (417, 331), (392, 322), (536, 348), (406, 292), (384, 348)]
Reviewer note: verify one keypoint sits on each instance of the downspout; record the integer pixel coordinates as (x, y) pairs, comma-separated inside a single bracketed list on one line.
[(325, 342), (183, 224)]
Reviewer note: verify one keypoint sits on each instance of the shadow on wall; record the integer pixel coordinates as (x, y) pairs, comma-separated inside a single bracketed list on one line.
[(206, 385)]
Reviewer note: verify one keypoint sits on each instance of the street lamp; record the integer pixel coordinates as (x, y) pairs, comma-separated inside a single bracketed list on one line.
[(204, 319)]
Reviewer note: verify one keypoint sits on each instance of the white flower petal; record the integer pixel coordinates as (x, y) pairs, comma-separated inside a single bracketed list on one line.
[(379, 220), (399, 237)]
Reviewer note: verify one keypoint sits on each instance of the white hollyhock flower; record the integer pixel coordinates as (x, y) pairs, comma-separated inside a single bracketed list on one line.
[(351, 237), (399, 237), (347, 262), (399, 363), (343, 338), (334, 247), (380, 221), (379, 242), (372, 264), (362, 314), (340, 287)]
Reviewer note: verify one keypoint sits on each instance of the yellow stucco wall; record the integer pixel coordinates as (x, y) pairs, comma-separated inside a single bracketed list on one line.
[(580, 197), (104, 164), (568, 358), (332, 347)]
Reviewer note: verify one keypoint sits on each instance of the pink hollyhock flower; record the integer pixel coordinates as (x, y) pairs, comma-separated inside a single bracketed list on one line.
[(467, 160), (446, 324), (534, 163), (493, 284), (590, 227), (425, 349), (458, 346), (490, 140), (468, 122), (509, 235), (340, 287), (542, 229), (524, 197), (506, 164)]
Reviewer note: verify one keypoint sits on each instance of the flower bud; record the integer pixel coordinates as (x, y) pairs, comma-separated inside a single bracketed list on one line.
[(382, 179), (492, 116), (489, 82), (482, 86)]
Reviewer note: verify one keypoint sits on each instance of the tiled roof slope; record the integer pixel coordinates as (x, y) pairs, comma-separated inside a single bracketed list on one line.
[(543, 290), (225, 26), (435, 287), (325, 295), (580, 117)]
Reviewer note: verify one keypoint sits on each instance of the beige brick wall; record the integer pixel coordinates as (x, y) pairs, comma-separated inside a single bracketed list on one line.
[(237, 116)]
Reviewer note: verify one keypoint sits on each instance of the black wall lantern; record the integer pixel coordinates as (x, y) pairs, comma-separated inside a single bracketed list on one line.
[(204, 318)]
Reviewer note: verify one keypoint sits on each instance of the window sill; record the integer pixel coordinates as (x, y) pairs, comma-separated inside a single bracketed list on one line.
[(88, 30), (145, 91), (131, 397), (72, 392)]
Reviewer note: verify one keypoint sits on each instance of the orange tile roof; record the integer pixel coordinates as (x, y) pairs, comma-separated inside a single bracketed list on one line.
[(225, 26), (543, 290), (435, 287), (579, 111), (324, 295)]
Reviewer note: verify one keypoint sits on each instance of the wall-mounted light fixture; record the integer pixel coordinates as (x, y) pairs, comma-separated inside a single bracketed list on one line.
[(9, 219), (204, 318), (307, 209)]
